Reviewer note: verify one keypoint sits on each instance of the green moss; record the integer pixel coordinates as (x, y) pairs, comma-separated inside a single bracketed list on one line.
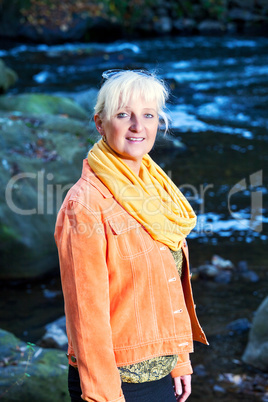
[(7, 234), (42, 104), (183, 8), (33, 373), (215, 8), (128, 13)]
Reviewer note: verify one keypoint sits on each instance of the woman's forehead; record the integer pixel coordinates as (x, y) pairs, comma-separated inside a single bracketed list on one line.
[(137, 99)]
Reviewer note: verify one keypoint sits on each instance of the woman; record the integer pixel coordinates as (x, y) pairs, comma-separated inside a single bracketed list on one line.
[(123, 257)]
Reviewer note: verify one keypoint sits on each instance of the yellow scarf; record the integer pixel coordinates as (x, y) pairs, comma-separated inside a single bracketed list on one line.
[(151, 198)]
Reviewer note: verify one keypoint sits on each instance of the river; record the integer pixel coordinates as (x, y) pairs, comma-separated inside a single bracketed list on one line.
[(218, 110)]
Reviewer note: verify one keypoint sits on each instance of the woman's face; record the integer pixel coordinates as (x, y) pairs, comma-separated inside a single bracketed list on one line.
[(131, 131)]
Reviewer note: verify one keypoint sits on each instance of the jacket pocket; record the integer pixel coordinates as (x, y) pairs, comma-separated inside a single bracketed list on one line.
[(131, 239)]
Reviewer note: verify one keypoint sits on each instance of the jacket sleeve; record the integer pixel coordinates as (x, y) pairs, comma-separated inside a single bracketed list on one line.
[(183, 366), (81, 246)]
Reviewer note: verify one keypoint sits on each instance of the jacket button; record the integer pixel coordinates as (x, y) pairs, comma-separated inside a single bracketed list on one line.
[(73, 359)]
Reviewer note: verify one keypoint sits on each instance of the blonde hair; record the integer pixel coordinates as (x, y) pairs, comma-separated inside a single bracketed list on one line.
[(116, 91)]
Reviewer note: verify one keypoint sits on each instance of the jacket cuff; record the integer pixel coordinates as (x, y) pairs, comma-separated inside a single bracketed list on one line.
[(183, 367), (121, 399)]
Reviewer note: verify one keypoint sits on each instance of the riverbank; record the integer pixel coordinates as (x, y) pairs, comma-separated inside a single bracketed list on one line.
[(88, 21)]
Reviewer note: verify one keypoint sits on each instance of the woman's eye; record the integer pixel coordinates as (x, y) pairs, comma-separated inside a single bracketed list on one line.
[(149, 115), (121, 115)]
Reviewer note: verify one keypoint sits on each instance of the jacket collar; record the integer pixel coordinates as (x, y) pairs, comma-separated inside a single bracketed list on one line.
[(89, 176)]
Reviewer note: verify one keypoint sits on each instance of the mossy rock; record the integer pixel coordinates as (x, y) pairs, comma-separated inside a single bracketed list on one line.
[(42, 104), (8, 77), (40, 159), (256, 353), (31, 373)]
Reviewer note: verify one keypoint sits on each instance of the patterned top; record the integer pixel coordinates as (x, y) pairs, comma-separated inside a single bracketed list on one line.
[(178, 257), (157, 367)]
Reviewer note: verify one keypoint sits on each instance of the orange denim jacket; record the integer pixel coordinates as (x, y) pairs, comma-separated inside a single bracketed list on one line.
[(124, 300)]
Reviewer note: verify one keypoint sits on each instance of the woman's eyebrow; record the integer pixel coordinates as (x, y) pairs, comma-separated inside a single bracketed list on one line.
[(129, 107)]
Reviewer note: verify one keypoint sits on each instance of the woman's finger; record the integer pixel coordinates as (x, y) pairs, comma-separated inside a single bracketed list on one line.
[(182, 387)]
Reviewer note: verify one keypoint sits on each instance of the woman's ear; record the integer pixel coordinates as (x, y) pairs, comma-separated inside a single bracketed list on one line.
[(98, 123)]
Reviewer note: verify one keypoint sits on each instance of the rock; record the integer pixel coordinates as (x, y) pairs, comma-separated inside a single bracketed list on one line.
[(221, 263), (42, 104), (163, 25), (243, 271), (211, 26), (240, 14), (22, 20), (250, 276), (223, 277), (207, 271), (55, 336), (162, 11), (231, 28), (242, 266), (200, 370), (239, 326), (220, 270), (256, 352), (97, 21), (249, 387), (236, 379), (86, 99), (186, 25), (248, 4), (30, 373), (40, 158), (8, 77), (219, 389), (265, 397), (60, 33), (263, 5)]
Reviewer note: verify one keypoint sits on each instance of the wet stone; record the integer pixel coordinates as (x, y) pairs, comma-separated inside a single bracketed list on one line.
[(242, 266), (256, 353), (218, 388), (200, 370), (31, 373), (223, 277), (207, 271), (239, 326), (250, 276)]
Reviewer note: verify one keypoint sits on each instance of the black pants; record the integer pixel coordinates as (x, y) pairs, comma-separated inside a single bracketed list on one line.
[(153, 391)]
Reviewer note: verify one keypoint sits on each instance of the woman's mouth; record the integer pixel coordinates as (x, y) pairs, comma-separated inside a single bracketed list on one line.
[(135, 139)]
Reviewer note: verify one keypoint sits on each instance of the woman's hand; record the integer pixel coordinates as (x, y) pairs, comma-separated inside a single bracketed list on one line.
[(182, 387)]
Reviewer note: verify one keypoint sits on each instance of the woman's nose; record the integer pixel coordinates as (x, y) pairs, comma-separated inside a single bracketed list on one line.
[(136, 124)]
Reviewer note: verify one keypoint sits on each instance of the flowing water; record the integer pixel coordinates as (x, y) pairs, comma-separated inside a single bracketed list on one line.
[(218, 110)]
